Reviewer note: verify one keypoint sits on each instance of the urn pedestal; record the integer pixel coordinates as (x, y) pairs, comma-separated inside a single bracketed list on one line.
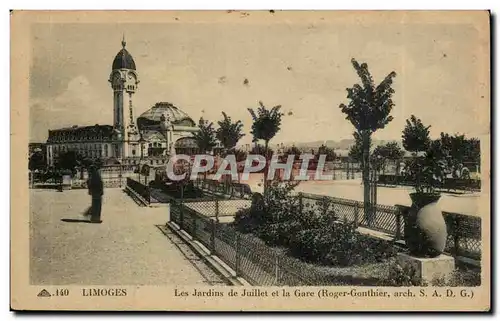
[(66, 182), (425, 237), (428, 269)]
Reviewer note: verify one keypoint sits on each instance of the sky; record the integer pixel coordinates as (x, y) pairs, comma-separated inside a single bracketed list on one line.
[(303, 66)]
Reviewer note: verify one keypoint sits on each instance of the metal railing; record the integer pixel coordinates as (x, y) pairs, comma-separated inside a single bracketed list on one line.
[(140, 190), (449, 184), (233, 189), (260, 264), (248, 256), (464, 231)]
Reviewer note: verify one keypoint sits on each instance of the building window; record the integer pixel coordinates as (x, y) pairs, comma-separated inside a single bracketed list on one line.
[(133, 153)]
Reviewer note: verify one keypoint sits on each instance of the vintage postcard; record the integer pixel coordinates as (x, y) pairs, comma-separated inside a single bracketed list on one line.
[(250, 160)]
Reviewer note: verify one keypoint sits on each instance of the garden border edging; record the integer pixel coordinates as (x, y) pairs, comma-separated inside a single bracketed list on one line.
[(225, 272)]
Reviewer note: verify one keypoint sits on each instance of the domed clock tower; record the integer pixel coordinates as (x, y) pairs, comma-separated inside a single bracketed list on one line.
[(124, 81)]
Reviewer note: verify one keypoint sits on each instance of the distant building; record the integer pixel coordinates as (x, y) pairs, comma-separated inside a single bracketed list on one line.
[(165, 128), (156, 134), (93, 142)]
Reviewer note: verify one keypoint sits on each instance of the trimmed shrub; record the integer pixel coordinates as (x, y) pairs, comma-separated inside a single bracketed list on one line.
[(244, 221), (339, 244), (303, 245), (345, 248), (279, 233), (402, 276), (270, 233), (313, 235)]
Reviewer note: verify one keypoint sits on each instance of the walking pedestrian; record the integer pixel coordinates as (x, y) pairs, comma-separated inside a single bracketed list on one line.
[(96, 191)]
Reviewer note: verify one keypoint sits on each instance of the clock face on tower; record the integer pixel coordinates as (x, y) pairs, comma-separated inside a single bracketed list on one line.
[(131, 76)]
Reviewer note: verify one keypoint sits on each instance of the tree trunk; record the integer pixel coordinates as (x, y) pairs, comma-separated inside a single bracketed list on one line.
[(366, 176), (266, 144)]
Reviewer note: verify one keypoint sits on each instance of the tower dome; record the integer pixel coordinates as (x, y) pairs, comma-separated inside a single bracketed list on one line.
[(123, 59)]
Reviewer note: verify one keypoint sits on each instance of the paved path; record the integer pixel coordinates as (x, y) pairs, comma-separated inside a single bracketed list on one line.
[(126, 249)]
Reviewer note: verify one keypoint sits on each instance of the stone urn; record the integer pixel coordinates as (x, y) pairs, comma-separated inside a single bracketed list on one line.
[(425, 227)]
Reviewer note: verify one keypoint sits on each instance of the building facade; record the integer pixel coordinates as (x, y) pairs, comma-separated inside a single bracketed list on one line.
[(166, 130), (152, 138), (92, 142)]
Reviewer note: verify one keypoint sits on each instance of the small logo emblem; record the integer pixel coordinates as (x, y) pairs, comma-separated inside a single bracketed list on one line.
[(44, 294)]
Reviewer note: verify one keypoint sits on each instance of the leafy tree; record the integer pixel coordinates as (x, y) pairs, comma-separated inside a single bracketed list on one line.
[(460, 150), (240, 155), (292, 151), (356, 150), (428, 169), (266, 124), (368, 110), (428, 166), (69, 161), (205, 136), (85, 161), (229, 133), (329, 152), (388, 152), (36, 161), (416, 135), (473, 151), (454, 147), (392, 151), (261, 150)]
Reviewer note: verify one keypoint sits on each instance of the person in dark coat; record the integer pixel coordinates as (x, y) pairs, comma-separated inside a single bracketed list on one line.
[(96, 190)]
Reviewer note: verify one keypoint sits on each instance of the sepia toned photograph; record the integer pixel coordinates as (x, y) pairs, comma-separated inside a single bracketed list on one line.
[(250, 160)]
